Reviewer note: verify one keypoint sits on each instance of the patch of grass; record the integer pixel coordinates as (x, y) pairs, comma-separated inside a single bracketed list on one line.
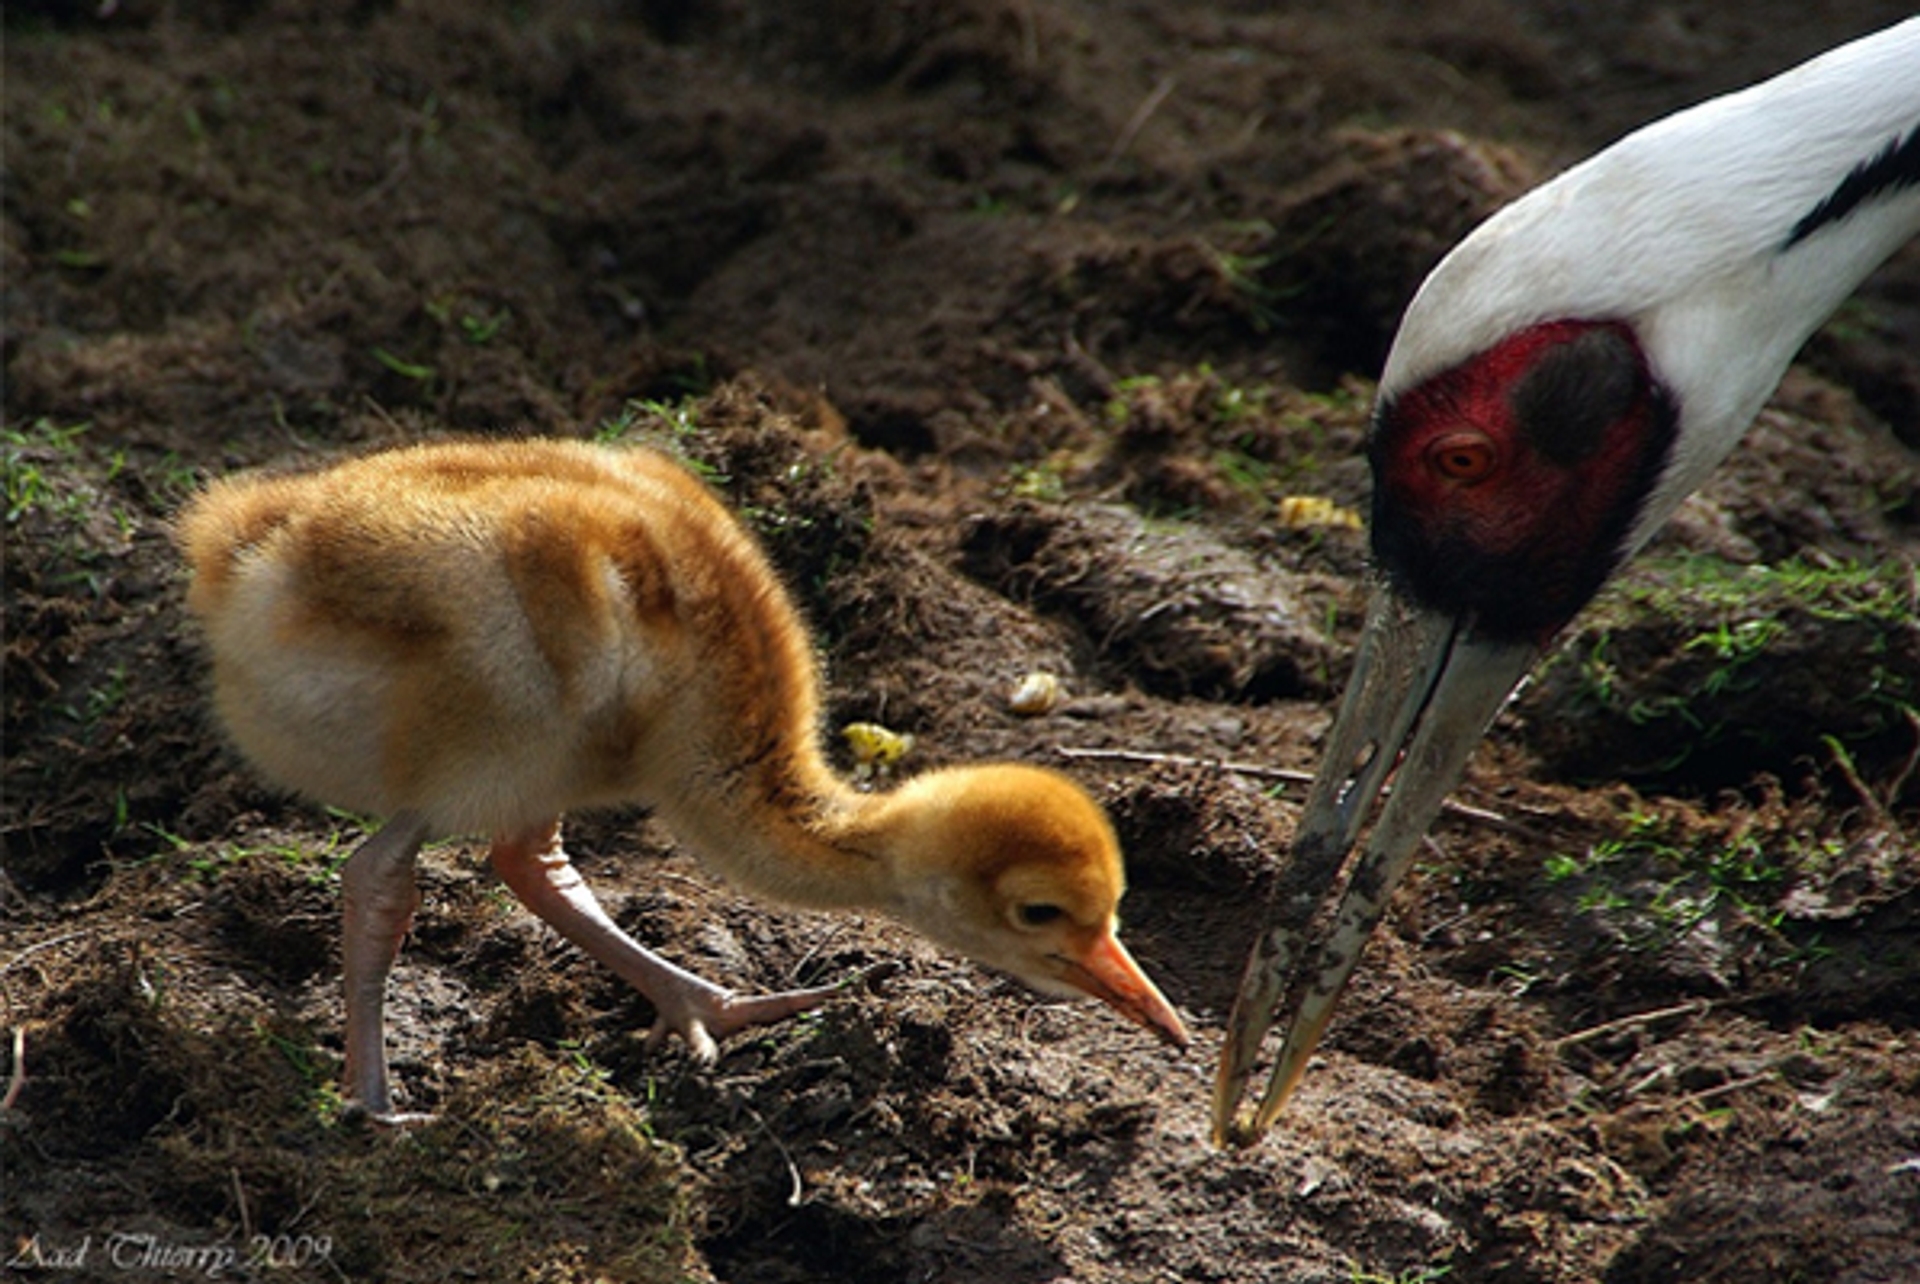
[(319, 862), (1685, 648), (171, 841), (1264, 441), (1242, 259), (677, 421), (27, 488), (1244, 471), (98, 702), (405, 369), (1516, 979), (610, 432), (1736, 642), (1233, 403), (173, 478), (314, 1069), (1689, 586), (29, 460), (1412, 1275), (1667, 883), (474, 323), (1121, 407), (671, 426), (43, 432)]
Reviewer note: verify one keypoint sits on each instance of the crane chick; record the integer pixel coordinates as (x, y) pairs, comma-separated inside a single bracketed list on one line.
[(476, 638)]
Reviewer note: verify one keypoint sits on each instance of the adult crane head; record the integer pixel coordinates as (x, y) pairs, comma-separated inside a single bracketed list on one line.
[(1565, 377)]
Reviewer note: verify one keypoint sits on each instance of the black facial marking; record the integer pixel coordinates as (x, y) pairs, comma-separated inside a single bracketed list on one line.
[(1566, 403), (1897, 166)]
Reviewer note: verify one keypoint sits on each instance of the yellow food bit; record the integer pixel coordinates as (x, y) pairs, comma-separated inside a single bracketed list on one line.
[(1307, 512), (875, 748)]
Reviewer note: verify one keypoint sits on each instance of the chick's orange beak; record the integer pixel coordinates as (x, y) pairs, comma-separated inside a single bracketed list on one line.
[(1107, 972)]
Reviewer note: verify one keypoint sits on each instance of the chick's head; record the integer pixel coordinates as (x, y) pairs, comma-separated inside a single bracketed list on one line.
[(1018, 868)]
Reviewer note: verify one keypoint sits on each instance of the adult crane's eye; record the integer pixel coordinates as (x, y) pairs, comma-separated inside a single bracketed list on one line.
[(1040, 915), (1464, 456)]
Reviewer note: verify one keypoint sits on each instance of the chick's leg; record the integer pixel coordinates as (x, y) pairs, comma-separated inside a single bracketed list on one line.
[(380, 898), (535, 867)]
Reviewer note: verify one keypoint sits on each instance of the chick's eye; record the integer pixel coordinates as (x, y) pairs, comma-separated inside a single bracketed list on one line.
[(1464, 456), (1039, 915)]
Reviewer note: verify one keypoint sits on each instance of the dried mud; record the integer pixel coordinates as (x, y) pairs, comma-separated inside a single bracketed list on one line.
[(1007, 325)]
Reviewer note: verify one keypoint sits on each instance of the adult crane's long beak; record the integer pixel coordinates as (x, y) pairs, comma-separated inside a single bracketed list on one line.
[(1423, 691)]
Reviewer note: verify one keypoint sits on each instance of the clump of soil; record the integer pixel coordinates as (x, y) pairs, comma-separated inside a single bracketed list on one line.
[(1718, 675), (1180, 612)]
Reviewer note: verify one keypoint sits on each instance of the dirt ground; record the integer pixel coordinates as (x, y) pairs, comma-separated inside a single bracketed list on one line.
[(1009, 324)]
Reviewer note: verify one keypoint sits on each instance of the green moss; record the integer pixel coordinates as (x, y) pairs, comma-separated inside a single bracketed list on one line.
[(1693, 654)]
